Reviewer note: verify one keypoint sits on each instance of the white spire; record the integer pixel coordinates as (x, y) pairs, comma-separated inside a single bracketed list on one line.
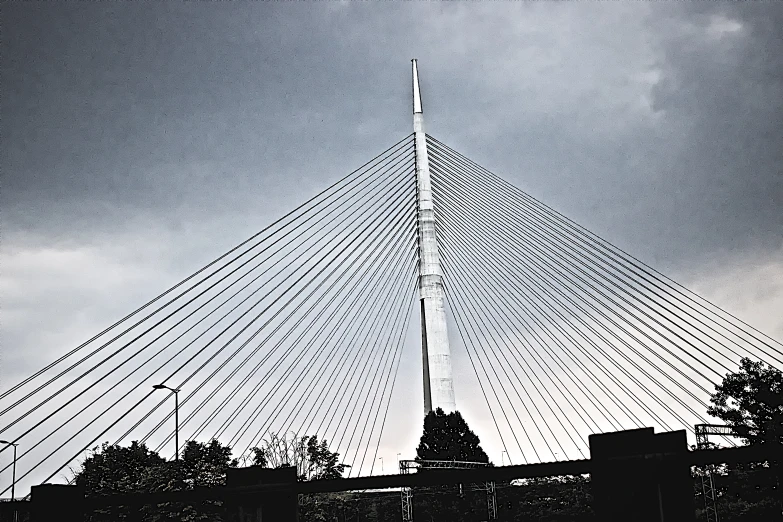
[(436, 357), (416, 90)]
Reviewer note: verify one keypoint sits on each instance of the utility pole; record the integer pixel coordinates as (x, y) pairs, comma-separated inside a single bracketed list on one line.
[(436, 357), (13, 475), (176, 415)]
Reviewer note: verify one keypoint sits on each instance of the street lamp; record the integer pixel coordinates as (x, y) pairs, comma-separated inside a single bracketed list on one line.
[(176, 415), (502, 462), (13, 473), (381, 459)]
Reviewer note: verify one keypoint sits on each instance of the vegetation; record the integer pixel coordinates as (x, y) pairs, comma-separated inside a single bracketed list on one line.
[(750, 400), (447, 436), (113, 469), (312, 459)]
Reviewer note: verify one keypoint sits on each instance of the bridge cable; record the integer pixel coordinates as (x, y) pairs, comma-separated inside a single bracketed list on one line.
[(305, 316), (349, 294), (558, 246), (400, 347), (291, 394), (616, 424), (301, 278), (360, 320), (96, 417), (371, 361), (435, 162), (269, 336), (77, 379), (664, 348), (159, 337), (387, 357), (597, 244), (381, 290), (453, 305), (463, 281), (407, 141), (361, 324), (306, 397), (536, 336), (583, 272), (88, 445), (500, 260), (455, 287)]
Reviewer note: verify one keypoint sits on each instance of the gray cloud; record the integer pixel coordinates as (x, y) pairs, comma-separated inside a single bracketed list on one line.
[(649, 121)]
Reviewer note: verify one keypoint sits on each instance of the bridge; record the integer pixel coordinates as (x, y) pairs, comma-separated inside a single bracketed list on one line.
[(302, 329)]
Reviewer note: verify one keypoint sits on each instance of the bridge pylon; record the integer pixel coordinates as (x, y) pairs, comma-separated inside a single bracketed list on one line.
[(436, 357)]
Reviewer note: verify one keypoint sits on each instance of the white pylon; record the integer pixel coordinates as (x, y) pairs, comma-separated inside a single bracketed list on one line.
[(436, 357)]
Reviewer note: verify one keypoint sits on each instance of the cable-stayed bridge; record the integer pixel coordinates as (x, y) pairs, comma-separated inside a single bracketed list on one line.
[(302, 328)]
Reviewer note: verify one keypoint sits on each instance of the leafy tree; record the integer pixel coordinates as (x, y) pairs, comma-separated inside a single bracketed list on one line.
[(113, 469), (313, 461), (136, 469), (311, 458), (447, 437), (751, 400), (205, 464)]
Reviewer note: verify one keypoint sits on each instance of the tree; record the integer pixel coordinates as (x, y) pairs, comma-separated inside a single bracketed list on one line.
[(113, 469), (447, 437), (311, 458), (136, 469), (751, 401), (205, 464)]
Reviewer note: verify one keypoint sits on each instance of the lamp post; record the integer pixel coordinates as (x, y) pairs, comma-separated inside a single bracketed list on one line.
[(381, 459), (176, 415), (13, 472), (502, 462)]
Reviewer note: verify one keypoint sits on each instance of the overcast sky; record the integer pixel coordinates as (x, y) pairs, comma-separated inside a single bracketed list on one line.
[(140, 141)]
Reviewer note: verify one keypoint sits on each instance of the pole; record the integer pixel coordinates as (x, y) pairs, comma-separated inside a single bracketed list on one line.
[(13, 472), (13, 477), (176, 424), (176, 415), (436, 357)]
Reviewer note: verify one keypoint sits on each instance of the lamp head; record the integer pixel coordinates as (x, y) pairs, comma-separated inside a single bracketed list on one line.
[(160, 387)]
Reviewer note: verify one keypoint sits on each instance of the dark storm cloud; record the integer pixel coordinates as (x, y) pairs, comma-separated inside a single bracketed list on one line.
[(186, 111), (198, 112), (722, 89)]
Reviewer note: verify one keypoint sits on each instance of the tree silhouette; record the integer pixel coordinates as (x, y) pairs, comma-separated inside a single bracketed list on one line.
[(751, 401), (311, 458), (114, 469), (447, 437)]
